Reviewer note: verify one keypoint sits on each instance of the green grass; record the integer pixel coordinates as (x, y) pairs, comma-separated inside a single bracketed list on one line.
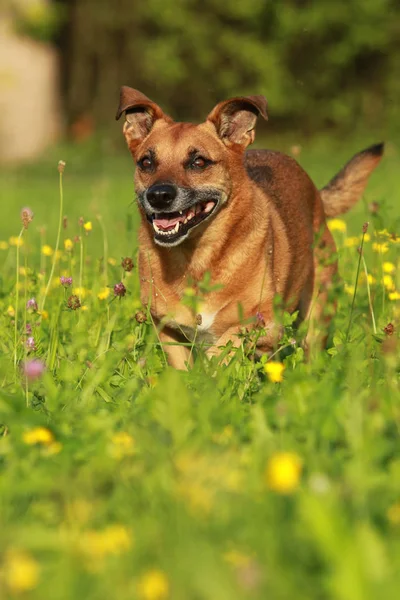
[(149, 483)]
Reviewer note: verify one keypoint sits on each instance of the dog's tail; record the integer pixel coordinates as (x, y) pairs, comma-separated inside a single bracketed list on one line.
[(346, 188)]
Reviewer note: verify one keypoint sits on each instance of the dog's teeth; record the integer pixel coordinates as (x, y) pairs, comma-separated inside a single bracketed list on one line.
[(176, 228), (181, 212)]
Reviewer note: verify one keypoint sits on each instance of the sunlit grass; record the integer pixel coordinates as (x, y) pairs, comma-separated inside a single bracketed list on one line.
[(121, 478)]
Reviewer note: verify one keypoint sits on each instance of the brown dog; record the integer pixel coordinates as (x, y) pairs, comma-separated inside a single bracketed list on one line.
[(253, 220)]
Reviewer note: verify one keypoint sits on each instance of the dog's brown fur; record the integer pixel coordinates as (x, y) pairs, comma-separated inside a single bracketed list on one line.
[(269, 237)]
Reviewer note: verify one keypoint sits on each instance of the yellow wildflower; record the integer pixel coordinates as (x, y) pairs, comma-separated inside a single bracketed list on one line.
[(388, 283), (114, 539), (225, 436), (16, 241), (3, 245), (394, 295), (80, 291), (122, 444), (380, 248), (112, 262), (38, 435), (283, 472), (337, 225), (367, 237), (68, 244), (47, 250), (237, 558), (44, 314), (388, 267), (349, 289), (88, 226), (371, 279), (350, 242), (10, 311), (153, 585), (21, 571), (393, 514), (103, 294), (383, 233), (54, 448), (274, 370)]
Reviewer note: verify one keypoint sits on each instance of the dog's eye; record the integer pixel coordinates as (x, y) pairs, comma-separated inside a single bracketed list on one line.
[(145, 163), (199, 162)]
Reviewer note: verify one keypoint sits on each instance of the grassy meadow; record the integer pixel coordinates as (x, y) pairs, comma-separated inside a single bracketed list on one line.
[(122, 478)]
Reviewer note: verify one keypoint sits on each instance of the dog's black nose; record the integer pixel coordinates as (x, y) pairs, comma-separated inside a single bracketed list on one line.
[(161, 195)]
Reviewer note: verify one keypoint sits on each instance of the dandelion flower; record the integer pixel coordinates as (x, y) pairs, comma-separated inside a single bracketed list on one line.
[(11, 311), (380, 248), (122, 444), (68, 245), (350, 242), (388, 267), (349, 289), (47, 250), (16, 241), (394, 295), (38, 435), (274, 370), (388, 283), (283, 472), (3, 245), (114, 539), (337, 225), (153, 585), (103, 294), (88, 226), (21, 571)]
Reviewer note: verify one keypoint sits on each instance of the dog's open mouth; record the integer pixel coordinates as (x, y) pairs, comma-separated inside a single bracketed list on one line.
[(169, 227)]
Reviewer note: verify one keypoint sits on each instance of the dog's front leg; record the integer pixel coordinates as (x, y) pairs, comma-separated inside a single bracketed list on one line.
[(178, 356)]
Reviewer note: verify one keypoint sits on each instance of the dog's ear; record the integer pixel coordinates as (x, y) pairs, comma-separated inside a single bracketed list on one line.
[(235, 119), (140, 113)]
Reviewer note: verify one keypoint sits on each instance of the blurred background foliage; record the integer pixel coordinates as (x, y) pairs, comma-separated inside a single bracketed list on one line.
[(321, 65)]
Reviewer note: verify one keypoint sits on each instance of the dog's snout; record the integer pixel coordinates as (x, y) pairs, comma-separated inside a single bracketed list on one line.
[(161, 195)]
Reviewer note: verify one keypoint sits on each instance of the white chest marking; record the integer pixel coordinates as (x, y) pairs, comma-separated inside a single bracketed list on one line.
[(207, 319)]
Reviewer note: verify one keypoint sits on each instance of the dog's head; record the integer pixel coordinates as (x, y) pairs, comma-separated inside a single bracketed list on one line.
[(184, 171)]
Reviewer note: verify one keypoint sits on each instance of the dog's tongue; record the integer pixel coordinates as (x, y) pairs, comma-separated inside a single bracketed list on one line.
[(167, 223)]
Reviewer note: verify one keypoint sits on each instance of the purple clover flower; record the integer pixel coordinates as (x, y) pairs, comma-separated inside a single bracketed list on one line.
[(33, 369), (30, 343), (66, 281), (32, 305), (119, 290)]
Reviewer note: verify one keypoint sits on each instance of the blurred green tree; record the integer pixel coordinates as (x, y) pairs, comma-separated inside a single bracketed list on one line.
[(318, 63)]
